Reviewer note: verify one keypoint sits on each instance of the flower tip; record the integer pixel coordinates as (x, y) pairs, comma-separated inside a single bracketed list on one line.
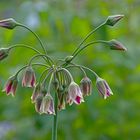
[(112, 20)]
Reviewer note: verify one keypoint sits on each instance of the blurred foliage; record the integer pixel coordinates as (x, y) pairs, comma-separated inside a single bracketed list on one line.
[(62, 24)]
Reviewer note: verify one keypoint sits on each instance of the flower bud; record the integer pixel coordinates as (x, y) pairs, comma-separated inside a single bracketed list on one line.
[(68, 58), (86, 86), (29, 78), (8, 23), (116, 45), (4, 53), (47, 105), (103, 88), (11, 86), (112, 20)]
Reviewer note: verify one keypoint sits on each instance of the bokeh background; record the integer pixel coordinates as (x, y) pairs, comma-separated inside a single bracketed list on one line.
[(62, 24)]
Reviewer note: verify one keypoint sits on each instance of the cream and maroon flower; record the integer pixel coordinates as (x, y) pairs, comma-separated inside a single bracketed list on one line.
[(29, 78), (103, 88), (74, 94), (86, 86), (47, 105), (38, 103), (11, 86)]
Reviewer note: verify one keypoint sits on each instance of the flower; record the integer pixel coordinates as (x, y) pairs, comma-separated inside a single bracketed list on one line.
[(36, 92), (11, 86), (38, 103), (3, 53), (9, 23), (86, 86), (112, 20), (62, 104), (29, 78), (47, 105), (103, 88), (116, 45), (74, 94)]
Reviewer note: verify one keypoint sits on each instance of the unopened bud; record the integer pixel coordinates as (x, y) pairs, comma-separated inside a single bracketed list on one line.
[(112, 20), (3, 53), (116, 45), (68, 58), (9, 23)]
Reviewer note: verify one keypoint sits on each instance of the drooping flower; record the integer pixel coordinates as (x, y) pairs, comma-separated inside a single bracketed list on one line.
[(11, 86), (36, 92), (29, 78), (47, 105), (86, 86), (3, 53), (38, 103), (103, 88), (9, 23), (74, 94), (116, 45), (62, 103), (112, 20)]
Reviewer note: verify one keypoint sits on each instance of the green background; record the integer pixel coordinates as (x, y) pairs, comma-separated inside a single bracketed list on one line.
[(62, 24)]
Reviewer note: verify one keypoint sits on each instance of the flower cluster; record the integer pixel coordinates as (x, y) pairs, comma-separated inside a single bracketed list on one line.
[(61, 89)]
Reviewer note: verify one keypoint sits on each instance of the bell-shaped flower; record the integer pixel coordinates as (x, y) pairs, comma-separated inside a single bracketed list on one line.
[(47, 105), (9, 23), (38, 103), (112, 20), (11, 86), (86, 86), (29, 78), (103, 88), (36, 92), (4, 53), (116, 45), (74, 94)]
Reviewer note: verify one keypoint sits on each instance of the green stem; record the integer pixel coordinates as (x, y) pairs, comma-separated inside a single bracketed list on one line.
[(25, 46), (77, 66), (37, 39), (54, 130), (91, 43), (38, 64), (41, 55), (94, 73), (35, 36), (65, 70), (88, 35), (44, 81), (42, 74)]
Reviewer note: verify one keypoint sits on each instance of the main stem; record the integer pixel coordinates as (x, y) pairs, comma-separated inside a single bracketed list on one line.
[(54, 130)]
